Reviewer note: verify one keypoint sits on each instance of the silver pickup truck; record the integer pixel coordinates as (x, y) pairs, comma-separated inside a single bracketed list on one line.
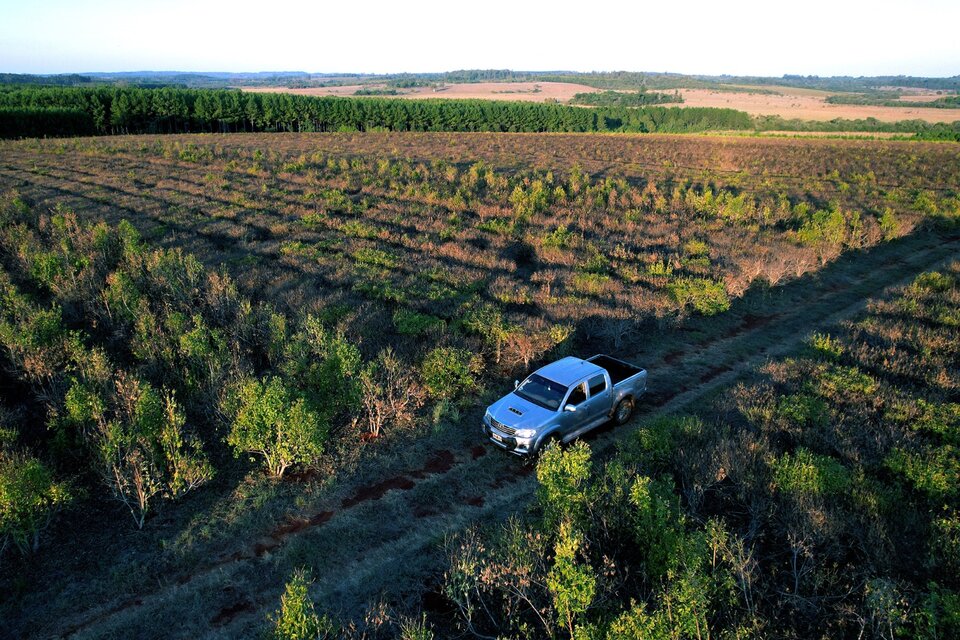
[(562, 401)]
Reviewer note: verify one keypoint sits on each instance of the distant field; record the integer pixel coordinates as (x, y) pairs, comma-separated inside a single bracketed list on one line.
[(787, 102), (515, 91), (810, 105)]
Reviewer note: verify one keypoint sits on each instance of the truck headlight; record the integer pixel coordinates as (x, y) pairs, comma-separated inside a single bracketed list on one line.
[(525, 433), (487, 417)]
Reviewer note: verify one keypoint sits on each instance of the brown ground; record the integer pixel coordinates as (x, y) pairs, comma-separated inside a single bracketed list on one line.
[(516, 91), (811, 106)]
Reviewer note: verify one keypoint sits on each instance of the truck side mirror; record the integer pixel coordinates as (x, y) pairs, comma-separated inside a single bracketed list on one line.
[(516, 383), (570, 408)]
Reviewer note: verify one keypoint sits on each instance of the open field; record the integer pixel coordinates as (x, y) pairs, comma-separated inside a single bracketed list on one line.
[(787, 102), (809, 105), (697, 257), (513, 91)]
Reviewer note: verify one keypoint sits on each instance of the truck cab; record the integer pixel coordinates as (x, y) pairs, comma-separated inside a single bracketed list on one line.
[(562, 401)]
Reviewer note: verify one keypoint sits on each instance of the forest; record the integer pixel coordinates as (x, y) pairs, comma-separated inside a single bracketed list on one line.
[(53, 111), (259, 357)]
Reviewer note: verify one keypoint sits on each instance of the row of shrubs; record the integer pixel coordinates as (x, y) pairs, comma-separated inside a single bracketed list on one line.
[(140, 367), (819, 499)]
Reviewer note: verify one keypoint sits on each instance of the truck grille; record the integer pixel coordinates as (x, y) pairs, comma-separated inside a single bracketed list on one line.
[(499, 426)]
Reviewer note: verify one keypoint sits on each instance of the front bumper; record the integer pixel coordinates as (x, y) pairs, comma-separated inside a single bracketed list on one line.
[(516, 446)]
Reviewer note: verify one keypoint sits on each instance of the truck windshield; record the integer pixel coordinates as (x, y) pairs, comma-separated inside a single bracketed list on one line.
[(543, 392)]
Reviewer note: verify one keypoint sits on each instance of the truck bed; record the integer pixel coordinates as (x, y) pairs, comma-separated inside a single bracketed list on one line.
[(618, 369)]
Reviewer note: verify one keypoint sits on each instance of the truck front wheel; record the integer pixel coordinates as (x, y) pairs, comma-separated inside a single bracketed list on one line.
[(623, 411)]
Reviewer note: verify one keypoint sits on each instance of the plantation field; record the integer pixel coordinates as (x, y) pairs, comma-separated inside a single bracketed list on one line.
[(811, 105), (514, 91), (382, 289)]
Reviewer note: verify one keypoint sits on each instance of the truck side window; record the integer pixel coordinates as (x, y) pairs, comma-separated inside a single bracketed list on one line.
[(597, 385), (578, 395)]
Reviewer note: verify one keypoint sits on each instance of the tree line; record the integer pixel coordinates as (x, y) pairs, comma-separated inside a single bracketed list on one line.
[(626, 99), (111, 110)]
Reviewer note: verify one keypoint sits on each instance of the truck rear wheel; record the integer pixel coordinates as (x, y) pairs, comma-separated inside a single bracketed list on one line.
[(623, 411)]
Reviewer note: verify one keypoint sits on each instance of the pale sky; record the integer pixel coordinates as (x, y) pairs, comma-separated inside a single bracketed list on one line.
[(752, 37)]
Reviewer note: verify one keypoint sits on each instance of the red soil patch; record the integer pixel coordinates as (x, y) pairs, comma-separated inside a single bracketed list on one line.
[(440, 462), (424, 512), (666, 396), (478, 451), (713, 372), (230, 612), (750, 322), (475, 501), (377, 491), (321, 518), (265, 546), (293, 526), (672, 357)]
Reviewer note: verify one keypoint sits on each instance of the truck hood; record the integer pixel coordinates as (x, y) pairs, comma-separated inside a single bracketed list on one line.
[(514, 411)]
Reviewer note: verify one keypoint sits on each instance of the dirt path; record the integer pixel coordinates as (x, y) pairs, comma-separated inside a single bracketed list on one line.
[(383, 537)]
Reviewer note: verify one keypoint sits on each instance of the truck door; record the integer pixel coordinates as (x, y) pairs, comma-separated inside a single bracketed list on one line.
[(598, 403), (571, 421)]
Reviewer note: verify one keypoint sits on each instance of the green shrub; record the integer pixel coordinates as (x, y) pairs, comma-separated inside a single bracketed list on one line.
[(297, 618), (826, 346), (823, 228), (410, 323), (658, 441), (559, 238), (889, 225), (143, 450), (273, 422), (707, 297), (933, 282), (29, 499), (416, 629), (591, 284), (696, 249), (359, 229), (945, 542), (803, 410), (934, 471), (804, 474), (376, 258), (324, 367), (450, 373), (572, 584), (938, 615), (563, 476), (658, 525), (597, 263), (842, 383), (498, 226), (939, 419)]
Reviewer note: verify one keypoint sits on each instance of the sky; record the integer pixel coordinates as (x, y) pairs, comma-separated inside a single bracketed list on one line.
[(770, 38)]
